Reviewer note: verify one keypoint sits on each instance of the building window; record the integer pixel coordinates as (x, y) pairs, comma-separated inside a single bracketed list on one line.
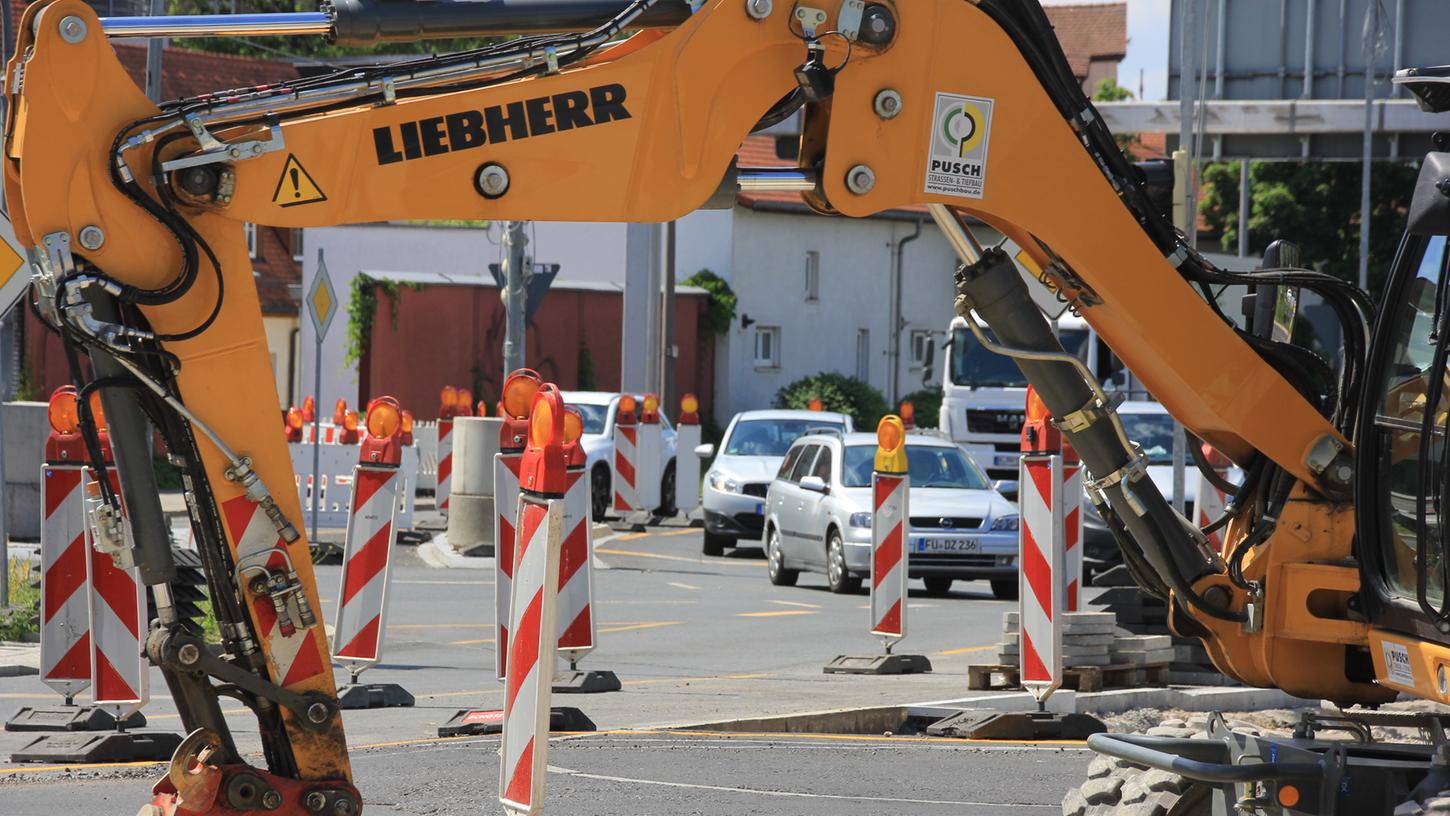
[(813, 276), (297, 245), (919, 341), (863, 355), (767, 347), (251, 240)]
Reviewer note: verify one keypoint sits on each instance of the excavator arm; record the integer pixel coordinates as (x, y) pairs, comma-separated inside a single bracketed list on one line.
[(135, 212)]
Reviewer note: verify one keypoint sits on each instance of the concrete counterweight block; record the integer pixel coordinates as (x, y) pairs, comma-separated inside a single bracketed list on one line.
[(470, 510)]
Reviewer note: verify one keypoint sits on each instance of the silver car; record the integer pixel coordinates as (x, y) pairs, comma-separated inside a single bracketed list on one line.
[(733, 495), (818, 515), (598, 409)]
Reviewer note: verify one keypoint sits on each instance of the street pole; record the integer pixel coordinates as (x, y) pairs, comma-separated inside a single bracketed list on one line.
[(1371, 51), (515, 295), (652, 309), (317, 429), (153, 56), (668, 349)]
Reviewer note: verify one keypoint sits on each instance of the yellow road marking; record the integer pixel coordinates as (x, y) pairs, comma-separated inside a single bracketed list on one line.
[(439, 625), (681, 586), (796, 603), (632, 537), (42, 768), (721, 561), (966, 650), (178, 716), (774, 614), (657, 680), (471, 642), (686, 531), (636, 626)]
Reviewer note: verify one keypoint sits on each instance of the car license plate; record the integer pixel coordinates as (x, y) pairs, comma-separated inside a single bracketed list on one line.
[(948, 545), (1003, 460)]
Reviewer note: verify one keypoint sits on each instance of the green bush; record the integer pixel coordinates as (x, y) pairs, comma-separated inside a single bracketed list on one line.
[(927, 403), (720, 313), (20, 615), (837, 392)]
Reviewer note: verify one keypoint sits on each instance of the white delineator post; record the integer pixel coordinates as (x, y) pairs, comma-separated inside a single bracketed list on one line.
[(626, 457), (65, 625), (1041, 566), (687, 464), (528, 687), (119, 671), (576, 570), (649, 456), (518, 395), (890, 492), (444, 484)]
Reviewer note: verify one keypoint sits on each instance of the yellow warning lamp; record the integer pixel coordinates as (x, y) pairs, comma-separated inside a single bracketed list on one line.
[(465, 402), (447, 402), (481, 409), (384, 418), (339, 411), (407, 422), (573, 425), (908, 414), (651, 404), (518, 392), (627, 406), (1036, 408), (1039, 434), (689, 410), (816, 404), (543, 467), (98, 414), (63, 411), (309, 409), (349, 421), (294, 424), (891, 445)]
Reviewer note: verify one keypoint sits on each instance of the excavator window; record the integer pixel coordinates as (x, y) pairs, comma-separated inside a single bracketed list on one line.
[(1412, 466)]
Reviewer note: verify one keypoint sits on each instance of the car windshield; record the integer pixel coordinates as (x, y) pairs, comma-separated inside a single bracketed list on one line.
[(928, 465), (594, 416), (974, 366), (770, 437), (1154, 433)]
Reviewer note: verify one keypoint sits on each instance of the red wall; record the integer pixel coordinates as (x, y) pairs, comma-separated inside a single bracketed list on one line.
[(453, 335)]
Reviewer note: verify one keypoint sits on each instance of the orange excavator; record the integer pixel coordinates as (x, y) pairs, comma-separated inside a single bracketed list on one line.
[(1330, 579)]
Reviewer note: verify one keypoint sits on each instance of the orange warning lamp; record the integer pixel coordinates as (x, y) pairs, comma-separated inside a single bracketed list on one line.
[(309, 409), (384, 422), (816, 404), (447, 402), (543, 465), (891, 445), (465, 402), (908, 414), (519, 389), (573, 429), (98, 414), (405, 433), (384, 418), (651, 413), (64, 411), (689, 410), (624, 414), (348, 434), (1039, 431), (481, 409), (339, 411), (294, 424)]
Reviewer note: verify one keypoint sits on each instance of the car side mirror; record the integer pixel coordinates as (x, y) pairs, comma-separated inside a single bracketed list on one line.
[(815, 484), (705, 451), (1007, 487)]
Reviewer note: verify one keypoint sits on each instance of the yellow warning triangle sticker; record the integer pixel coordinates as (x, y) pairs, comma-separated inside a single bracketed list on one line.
[(296, 187)]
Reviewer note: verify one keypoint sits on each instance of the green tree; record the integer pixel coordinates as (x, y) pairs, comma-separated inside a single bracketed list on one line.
[(720, 313), (1109, 90), (1315, 205), (837, 392)]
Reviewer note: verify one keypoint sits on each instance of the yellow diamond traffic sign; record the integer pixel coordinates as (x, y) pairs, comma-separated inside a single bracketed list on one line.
[(14, 277), (322, 299)]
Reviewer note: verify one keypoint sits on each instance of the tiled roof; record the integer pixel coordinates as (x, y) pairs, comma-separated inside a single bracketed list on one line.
[(759, 151), (1097, 31)]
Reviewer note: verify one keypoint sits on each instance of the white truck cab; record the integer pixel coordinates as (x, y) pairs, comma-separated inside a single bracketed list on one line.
[(984, 393)]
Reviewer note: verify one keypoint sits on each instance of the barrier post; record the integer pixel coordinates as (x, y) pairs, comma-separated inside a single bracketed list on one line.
[(518, 398), (576, 572), (687, 464), (649, 457), (65, 625), (443, 486), (626, 459), (543, 482), (1072, 498), (362, 606), (115, 606), (890, 514)]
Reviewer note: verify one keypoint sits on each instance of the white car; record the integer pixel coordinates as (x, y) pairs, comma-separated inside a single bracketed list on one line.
[(754, 444), (598, 409), (818, 515)]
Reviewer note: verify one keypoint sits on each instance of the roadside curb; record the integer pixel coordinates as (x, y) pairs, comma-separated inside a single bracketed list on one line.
[(19, 659)]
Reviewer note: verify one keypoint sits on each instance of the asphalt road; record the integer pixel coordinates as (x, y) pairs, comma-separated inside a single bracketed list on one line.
[(695, 641)]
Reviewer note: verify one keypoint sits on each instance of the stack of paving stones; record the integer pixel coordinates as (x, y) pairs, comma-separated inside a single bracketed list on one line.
[(1087, 640), (1141, 614)]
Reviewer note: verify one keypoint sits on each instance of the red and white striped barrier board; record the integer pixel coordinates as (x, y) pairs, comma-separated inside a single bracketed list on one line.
[(648, 465), (687, 468), (889, 512), (444, 485), (119, 673), (626, 467), (505, 528), (1041, 562), (1072, 497), (362, 605), (527, 690), (576, 572), (327, 431), (65, 623)]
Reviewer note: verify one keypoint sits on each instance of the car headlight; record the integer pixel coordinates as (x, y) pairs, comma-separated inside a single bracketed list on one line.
[(1008, 523), (862, 520), (723, 483)]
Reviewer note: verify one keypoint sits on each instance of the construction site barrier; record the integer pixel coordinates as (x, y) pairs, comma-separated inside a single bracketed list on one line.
[(1041, 563), (334, 489)]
